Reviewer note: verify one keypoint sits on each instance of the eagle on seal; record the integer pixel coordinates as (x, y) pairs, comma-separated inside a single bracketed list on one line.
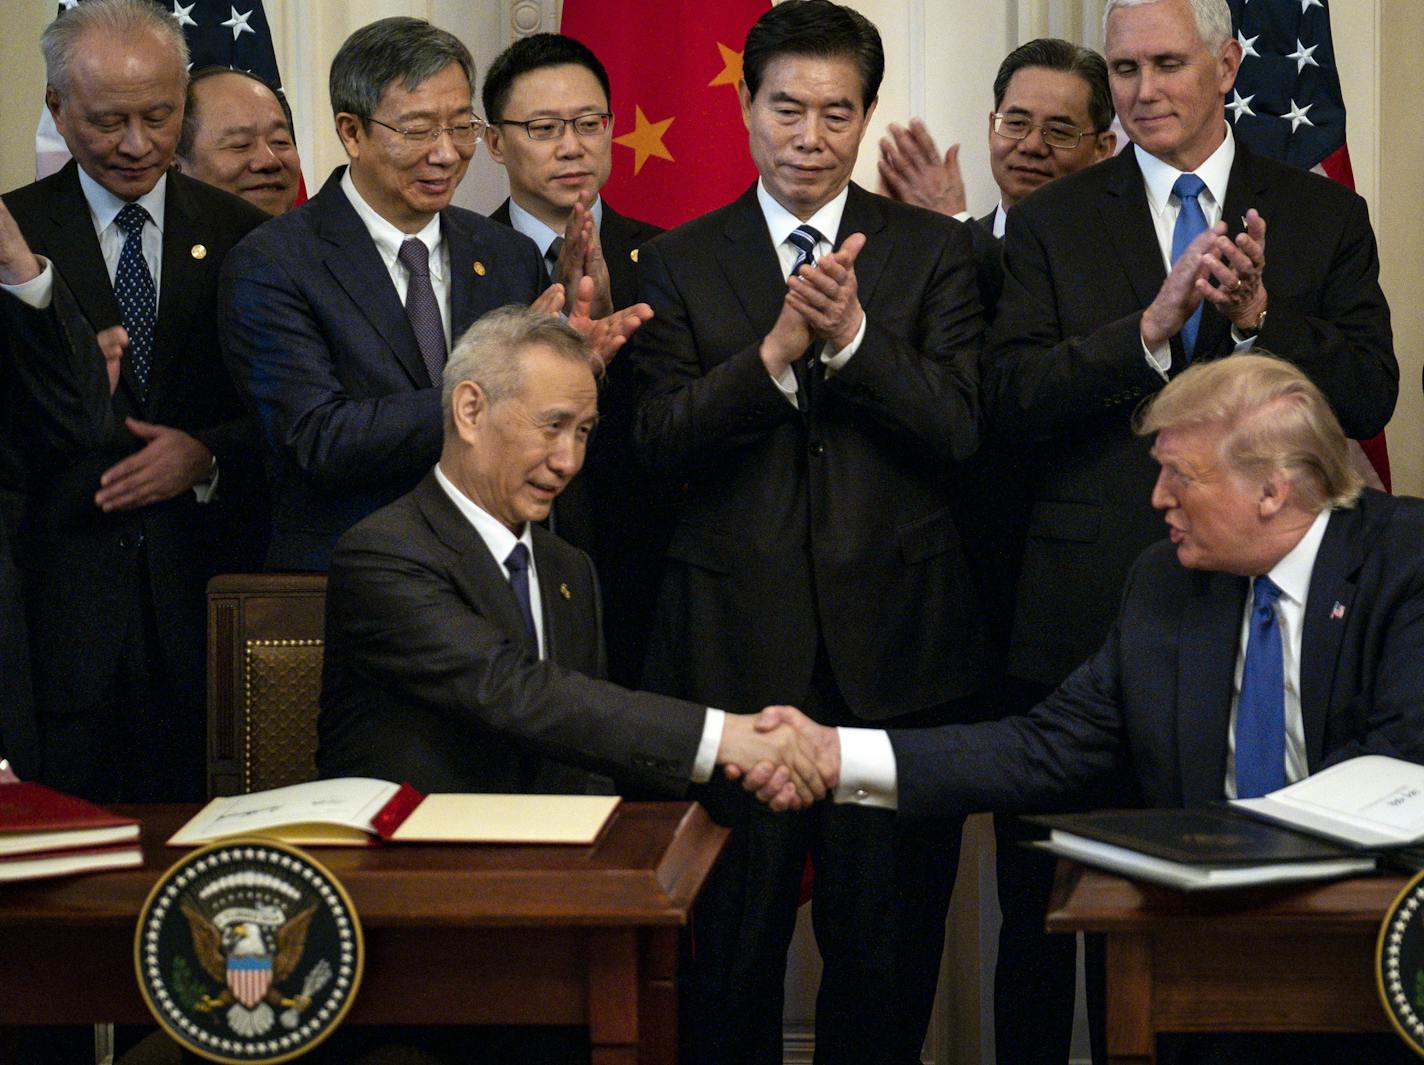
[(239, 958)]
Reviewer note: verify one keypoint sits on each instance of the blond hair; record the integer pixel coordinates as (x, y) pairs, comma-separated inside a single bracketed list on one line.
[(1273, 419)]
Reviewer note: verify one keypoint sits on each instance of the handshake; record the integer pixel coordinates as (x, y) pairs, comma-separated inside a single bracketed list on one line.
[(781, 755)]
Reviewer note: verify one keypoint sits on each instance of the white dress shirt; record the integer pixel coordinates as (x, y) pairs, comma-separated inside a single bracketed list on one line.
[(538, 232), (869, 774), (388, 240), (1001, 218), (501, 541), (104, 208), (1164, 206), (781, 223)]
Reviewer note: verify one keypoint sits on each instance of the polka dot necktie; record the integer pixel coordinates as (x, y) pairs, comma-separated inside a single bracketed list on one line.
[(134, 289)]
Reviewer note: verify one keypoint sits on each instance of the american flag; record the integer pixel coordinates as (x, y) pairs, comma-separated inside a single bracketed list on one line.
[(1287, 102), (225, 33)]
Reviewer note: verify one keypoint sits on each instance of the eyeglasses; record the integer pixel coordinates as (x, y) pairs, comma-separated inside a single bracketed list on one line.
[(464, 135), (1055, 134), (551, 129)]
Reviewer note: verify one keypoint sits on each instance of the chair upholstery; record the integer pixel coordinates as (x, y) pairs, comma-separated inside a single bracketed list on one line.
[(264, 677)]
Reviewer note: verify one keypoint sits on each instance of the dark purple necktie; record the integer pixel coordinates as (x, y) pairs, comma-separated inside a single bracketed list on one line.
[(422, 308), (518, 565)]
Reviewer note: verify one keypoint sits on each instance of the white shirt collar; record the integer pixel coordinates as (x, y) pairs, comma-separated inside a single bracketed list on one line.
[(782, 223), (105, 206), (1292, 573), (1215, 172), (537, 231), (1001, 218), (493, 532), (387, 237)]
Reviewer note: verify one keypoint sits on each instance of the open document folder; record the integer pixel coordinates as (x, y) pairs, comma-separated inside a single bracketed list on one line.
[(358, 811)]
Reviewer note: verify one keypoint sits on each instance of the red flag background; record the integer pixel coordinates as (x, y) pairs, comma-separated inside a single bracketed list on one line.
[(680, 148)]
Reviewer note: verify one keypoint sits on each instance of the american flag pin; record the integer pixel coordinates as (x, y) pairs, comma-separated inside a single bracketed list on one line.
[(1337, 611)]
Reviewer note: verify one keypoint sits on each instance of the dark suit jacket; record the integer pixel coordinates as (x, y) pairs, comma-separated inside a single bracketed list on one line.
[(1153, 704), (428, 677), (989, 256), (74, 559), (609, 509), (324, 354), (832, 523), (1064, 368), (56, 395)]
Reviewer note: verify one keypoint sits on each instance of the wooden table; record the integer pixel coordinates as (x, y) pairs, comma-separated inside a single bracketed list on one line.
[(1280, 959), (517, 935)]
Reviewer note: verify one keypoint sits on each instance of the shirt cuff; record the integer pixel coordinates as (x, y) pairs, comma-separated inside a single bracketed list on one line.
[(834, 360), (1159, 358), (707, 746), (37, 291), (1243, 343), (868, 776), (207, 491), (786, 381)]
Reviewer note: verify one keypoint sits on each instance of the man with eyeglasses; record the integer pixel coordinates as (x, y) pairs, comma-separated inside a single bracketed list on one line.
[(338, 316), (547, 101)]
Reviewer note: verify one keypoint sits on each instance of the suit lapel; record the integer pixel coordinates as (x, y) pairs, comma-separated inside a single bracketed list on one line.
[(351, 256), (465, 281), (181, 281), (1328, 604), (75, 248), (863, 215), (1207, 644), (1127, 224), (478, 576), (566, 627), (750, 265)]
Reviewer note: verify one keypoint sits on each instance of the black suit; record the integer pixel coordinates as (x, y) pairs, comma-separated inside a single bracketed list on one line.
[(1065, 368), (323, 352), (816, 562), (609, 509), (116, 601), (428, 677), (56, 397)]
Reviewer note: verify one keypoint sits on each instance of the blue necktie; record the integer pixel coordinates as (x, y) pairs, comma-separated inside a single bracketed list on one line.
[(518, 565), (1190, 223), (804, 239), (138, 299), (1261, 710), (422, 308)]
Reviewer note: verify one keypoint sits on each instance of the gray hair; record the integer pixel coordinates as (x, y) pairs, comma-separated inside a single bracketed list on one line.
[(1213, 19), (408, 49), (1272, 419), (111, 19), (491, 353)]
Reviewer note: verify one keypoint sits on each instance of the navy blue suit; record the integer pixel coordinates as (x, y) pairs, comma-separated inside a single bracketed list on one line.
[(323, 352)]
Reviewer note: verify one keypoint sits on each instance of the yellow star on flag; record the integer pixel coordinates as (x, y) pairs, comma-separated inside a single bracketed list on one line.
[(731, 67), (646, 139)]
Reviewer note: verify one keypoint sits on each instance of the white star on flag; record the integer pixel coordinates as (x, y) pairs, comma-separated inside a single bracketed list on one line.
[(1238, 105), (1296, 116), (1306, 5), (239, 24), (1246, 43), (1302, 55), (182, 14)]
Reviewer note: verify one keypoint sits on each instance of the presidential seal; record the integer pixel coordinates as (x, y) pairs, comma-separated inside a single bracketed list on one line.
[(1399, 964), (248, 951)]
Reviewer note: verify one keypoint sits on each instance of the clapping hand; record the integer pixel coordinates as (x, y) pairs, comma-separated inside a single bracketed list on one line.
[(912, 171)]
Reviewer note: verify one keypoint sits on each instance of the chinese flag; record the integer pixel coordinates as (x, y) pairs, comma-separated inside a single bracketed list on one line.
[(680, 148)]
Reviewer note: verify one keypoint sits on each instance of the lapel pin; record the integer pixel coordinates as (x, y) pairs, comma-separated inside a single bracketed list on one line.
[(1337, 611), (198, 251), (564, 591), (633, 255), (479, 268)]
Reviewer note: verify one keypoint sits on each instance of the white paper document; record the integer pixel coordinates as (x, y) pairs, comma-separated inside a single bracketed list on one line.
[(1370, 801), (347, 802)]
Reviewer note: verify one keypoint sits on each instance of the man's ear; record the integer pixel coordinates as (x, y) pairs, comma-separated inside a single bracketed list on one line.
[(1276, 493), (351, 130), (51, 99), (745, 96), (1107, 144), (493, 142), (469, 406)]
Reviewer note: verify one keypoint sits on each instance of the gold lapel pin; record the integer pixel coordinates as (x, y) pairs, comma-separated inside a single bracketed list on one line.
[(479, 268), (633, 255), (564, 591), (198, 251)]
